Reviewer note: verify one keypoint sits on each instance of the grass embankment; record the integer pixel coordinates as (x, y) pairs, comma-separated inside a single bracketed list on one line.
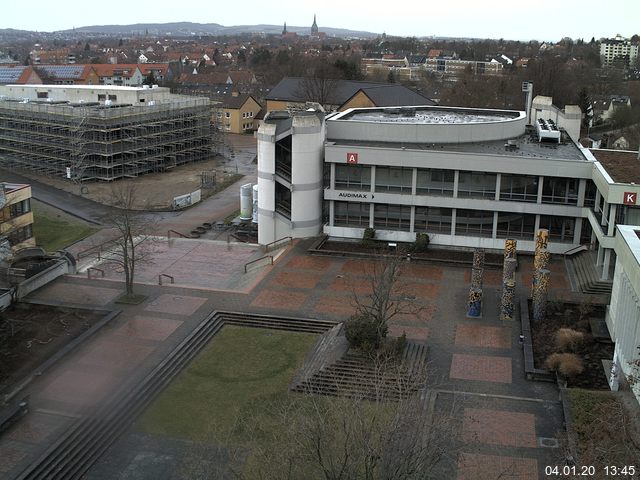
[(235, 376), (225, 183), (55, 230), (607, 428)]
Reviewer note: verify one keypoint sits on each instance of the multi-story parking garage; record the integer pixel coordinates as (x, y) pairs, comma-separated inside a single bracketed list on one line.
[(96, 132)]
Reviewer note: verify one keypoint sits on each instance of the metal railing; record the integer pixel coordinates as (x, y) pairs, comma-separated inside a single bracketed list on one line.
[(171, 279), (270, 257), (96, 269), (96, 248), (273, 244), (182, 235), (573, 250)]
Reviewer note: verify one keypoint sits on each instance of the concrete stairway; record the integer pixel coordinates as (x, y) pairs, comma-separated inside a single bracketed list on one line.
[(586, 276), (356, 375)]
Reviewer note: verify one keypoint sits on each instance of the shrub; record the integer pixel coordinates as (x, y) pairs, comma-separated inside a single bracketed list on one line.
[(568, 340), (363, 333), (567, 364), (368, 237), (394, 347), (421, 244)]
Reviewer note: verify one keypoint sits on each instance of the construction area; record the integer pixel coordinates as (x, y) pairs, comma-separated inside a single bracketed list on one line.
[(101, 133)]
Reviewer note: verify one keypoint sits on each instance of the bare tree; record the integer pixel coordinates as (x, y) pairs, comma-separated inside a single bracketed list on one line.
[(133, 230), (320, 87), (386, 299), (353, 438)]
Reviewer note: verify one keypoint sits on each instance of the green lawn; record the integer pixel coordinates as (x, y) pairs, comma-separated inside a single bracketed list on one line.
[(240, 372), (53, 233)]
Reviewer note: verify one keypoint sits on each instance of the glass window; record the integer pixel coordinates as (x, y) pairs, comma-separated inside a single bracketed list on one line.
[(353, 177), (590, 194), (516, 225), (519, 188), (431, 181), (560, 190), (17, 209), (351, 214), (477, 185), (392, 217), (474, 223), (19, 235), (433, 219), (560, 228), (394, 179)]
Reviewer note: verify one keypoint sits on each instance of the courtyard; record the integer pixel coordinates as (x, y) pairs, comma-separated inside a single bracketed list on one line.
[(506, 426)]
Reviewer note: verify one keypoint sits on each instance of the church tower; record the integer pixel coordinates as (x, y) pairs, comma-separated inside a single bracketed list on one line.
[(284, 30), (314, 27)]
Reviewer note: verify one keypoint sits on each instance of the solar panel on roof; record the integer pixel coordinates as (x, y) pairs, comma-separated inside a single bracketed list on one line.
[(64, 71), (9, 75)]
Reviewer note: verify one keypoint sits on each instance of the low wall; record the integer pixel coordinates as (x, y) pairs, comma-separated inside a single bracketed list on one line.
[(5, 299), (31, 284)]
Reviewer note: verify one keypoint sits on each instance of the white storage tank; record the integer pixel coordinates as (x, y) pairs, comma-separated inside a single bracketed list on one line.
[(246, 201), (254, 212)]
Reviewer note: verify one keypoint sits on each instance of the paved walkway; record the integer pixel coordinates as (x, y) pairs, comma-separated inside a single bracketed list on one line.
[(502, 419)]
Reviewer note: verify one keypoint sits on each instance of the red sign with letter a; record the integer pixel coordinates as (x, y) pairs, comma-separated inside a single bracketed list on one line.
[(630, 198), (352, 158)]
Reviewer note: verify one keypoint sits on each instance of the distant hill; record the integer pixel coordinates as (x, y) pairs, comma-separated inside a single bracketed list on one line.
[(190, 28)]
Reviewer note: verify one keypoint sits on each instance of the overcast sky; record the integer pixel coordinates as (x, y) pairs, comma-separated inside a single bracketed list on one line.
[(509, 19)]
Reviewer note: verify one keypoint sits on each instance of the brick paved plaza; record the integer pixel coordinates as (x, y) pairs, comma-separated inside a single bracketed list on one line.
[(477, 363)]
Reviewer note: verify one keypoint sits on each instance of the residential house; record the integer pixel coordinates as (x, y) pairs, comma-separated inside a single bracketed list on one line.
[(60, 56), (19, 75), (293, 93), (604, 106), (67, 74), (238, 113), (131, 74)]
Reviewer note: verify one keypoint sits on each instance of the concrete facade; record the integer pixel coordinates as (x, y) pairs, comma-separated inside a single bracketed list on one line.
[(568, 118), (623, 316), (467, 177), (86, 93), (290, 192)]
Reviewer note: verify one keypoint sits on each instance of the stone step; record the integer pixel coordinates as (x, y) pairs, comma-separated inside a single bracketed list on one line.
[(587, 277)]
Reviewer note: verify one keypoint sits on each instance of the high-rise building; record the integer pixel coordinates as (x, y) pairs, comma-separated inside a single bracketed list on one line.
[(618, 49)]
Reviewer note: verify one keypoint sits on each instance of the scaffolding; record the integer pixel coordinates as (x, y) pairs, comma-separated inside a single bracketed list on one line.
[(84, 142)]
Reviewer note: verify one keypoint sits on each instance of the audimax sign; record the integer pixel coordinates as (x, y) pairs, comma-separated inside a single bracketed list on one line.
[(363, 196)]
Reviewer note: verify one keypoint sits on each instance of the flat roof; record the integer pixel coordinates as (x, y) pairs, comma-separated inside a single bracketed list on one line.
[(88, 87), (521, 146), (12, 187), (622, 166), (431, 115)]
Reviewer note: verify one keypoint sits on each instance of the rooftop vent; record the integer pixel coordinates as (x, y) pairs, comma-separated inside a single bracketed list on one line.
[(547, 131)]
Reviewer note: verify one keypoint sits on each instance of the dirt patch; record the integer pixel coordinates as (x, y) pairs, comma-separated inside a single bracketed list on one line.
[(591, 352), (154, 191), (30, 334)]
